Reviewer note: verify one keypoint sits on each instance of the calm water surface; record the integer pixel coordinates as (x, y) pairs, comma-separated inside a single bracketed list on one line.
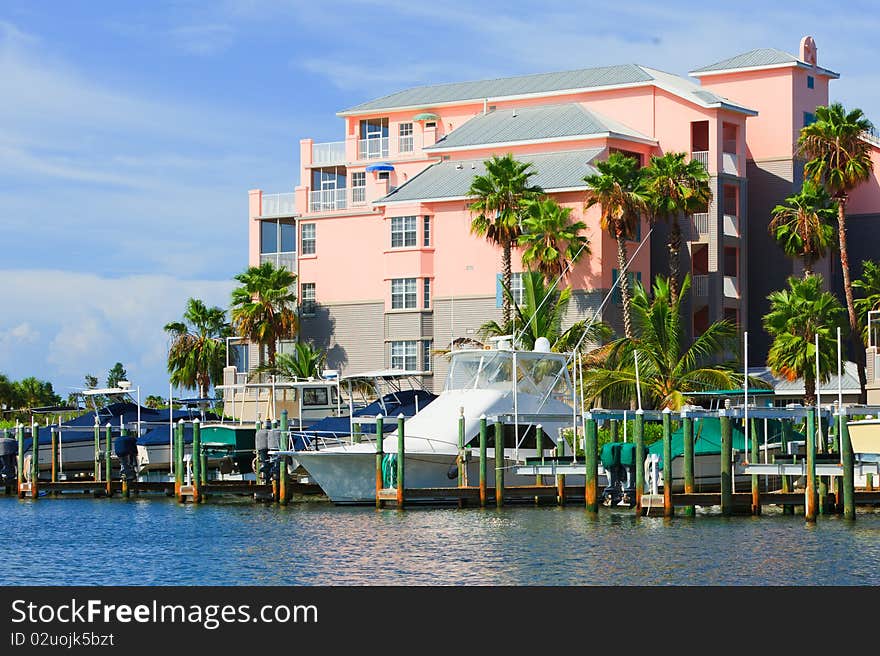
[(155, 541)]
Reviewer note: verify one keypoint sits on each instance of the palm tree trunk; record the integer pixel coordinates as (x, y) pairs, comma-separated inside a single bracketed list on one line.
[(623, 281), (855, 334), (506, 279), (674, 252), (270, 349), (809, 391)]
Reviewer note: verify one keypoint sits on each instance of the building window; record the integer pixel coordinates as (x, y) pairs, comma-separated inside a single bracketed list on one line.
[(404, 354), (308, 239), (811, 83), (405, 143), (427, 231), (427, 347), (384, 175), (516, 289), (307, 298), (358, 187), (403, 231), (403, 293), (633, 279), (427, 293), (431, 124), (809, 118), (268, 237)]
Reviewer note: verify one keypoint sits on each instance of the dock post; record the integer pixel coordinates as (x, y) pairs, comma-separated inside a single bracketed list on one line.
[(869, 482), (178, 460), (591, 459), (787, 509), (846, 457), (668, 508), (753, 456), (726, 464), (108, 439), (499, 464), (19, 434), (97, 450), (461, 461), (560, 478), (687, 430), (810, 493), (380, 454), (483, 441), (283, 483), (204, 460), (612, 429), (35, 459), (639, 440), (123, 479), (197, 461), (401, 456), (539, 447), (54, 471)]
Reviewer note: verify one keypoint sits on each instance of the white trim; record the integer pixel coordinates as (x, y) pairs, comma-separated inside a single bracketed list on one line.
[(528, 142), (795, 64)]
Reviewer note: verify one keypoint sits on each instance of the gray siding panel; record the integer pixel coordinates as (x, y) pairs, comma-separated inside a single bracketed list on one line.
[(403, 325), (352, 335)]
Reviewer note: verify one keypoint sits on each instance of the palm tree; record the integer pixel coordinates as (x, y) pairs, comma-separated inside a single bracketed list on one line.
[(262, 308), (501, 195), (796, 316), (669, 372), (154, 401), (541, 315), (840, 159), (552, 241), (674, 186), (306, 361), (198, 347), (617, 188), (869, 285), (803, 226)]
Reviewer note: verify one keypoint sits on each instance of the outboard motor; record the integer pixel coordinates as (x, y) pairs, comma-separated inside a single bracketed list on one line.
[(261, 445), (619, 461), (125, 448), (274, 442), (8, 460)]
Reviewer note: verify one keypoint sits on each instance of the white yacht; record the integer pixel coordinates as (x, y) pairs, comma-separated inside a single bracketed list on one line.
[(480, 382)]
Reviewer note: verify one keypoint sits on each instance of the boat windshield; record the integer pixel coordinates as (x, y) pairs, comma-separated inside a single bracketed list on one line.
[(537, 373)]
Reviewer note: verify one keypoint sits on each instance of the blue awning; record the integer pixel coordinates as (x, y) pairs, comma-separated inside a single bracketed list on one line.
[(384, 166)]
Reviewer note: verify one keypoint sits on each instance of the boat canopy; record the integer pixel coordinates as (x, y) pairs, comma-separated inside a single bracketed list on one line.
[(536, 373)]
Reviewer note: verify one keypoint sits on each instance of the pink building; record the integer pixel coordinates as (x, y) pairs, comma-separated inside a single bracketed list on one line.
[(378, 228)]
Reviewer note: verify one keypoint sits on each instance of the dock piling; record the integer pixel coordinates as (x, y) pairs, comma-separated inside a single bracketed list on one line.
[(753, 457), (380, 455), (54, 466), (639, 440), (401, 457), (847, 459), (483, 441), (178, 461), (197, 461), (462, 464), (787, 509), (108, 477), (726, 464), (810, 493), (283, 484), (499, 464), (687, 429), (560, 478), (19, 434), (591, 459), (35, 460), (668, 508), (539, 447)]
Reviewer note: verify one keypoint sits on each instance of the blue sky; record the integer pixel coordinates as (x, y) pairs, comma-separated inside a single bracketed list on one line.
[(130, 132)]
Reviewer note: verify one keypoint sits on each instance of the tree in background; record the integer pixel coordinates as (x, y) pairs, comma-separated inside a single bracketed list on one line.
[(803, 225), (116, 374), (155, 402), (306, 361), (796, 316), (34, 393), (869, 286), (552, 241), (198, 347)]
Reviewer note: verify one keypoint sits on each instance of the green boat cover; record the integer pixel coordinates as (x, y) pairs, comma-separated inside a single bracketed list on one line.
[(618, 453)]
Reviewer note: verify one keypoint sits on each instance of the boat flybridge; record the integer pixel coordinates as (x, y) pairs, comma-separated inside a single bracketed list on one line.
[(521, 389)]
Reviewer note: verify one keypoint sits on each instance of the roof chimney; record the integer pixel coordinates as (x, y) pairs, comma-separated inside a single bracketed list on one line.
[(808, 52)]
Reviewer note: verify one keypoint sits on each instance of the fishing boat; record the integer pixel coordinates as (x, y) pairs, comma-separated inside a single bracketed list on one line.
[(864, 434), (522, 389)]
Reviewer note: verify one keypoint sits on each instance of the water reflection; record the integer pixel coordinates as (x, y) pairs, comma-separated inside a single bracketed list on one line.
[(71, 541)]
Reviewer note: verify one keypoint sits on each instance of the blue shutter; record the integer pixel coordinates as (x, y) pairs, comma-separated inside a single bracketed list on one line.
[(499, 292)]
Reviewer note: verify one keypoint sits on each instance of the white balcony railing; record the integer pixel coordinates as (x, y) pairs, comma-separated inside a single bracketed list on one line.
[(731, 287), (374, 148), (358, 195), (286, 260), (405, 144), (700, 225), (701, 286), (332, 152), (702, 156), (731, 225), (729, 164), (277, 205), (327, 200)]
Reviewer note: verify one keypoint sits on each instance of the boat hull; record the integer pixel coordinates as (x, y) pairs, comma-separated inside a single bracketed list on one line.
[(864, 436)]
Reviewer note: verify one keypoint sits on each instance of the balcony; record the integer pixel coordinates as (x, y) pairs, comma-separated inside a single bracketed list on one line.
[(375, 148), (731, 287), (327, 200), (405, 144), (731, 226), (729, 163), (278, 205), (699, 228), (332, 152), (286, 260), (358, 195), (701, 156), (701, 286)]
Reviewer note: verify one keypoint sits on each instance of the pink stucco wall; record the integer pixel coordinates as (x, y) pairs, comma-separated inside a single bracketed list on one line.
[(865, 199)]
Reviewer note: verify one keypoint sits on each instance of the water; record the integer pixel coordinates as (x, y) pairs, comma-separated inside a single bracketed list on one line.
[(155, 541)]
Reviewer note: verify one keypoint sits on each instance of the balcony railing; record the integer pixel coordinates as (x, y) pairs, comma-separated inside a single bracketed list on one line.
[(327, 200), (731, 287), (358, 195), (405, 144), (729, 164), (702, 156), (277, 205), (731, 225), (701, 286), (700, 225), (286, 260), (332, 152), (374, 148)]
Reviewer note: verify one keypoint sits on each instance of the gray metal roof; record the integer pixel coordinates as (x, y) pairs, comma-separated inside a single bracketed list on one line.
[(452, 179), (529, 123), (849, 382), (757, 58), (425, 97)]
